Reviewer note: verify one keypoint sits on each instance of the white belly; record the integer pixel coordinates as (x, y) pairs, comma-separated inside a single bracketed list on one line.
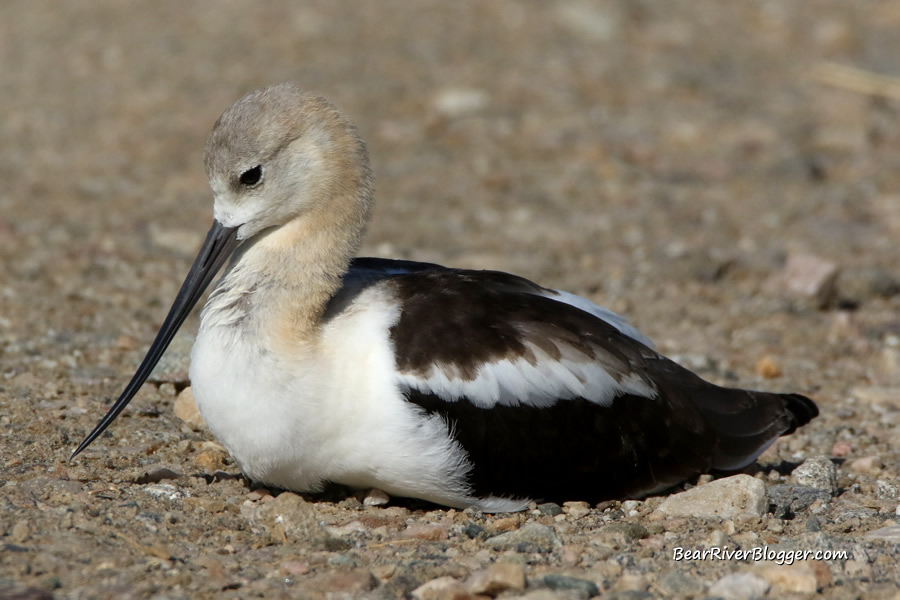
[(330, 412)]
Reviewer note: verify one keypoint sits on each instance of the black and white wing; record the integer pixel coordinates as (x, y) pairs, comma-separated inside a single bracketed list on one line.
[(551, 399)]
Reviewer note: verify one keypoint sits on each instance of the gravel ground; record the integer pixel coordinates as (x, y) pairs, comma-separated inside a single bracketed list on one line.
[(703, 167)]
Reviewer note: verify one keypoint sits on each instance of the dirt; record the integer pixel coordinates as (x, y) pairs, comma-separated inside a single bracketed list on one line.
[(670, 160)]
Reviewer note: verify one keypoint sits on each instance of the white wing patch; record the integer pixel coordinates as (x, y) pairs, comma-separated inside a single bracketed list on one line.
[(540, 382), (617, 321)]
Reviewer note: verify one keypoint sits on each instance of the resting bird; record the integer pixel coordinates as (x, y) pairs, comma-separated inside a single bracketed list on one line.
[(460, 387)]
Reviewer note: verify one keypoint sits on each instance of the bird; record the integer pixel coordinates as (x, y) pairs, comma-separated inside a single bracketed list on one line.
[(463, 388)]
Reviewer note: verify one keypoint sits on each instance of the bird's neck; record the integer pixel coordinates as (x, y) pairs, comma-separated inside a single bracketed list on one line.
[(278, 284)]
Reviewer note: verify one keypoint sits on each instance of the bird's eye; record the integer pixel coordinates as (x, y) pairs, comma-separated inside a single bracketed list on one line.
[(251, 177)]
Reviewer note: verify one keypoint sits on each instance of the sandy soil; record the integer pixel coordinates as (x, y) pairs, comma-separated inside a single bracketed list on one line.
[(666, 159)]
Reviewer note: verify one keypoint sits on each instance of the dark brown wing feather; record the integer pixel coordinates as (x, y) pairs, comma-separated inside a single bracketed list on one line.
[(574, 448)]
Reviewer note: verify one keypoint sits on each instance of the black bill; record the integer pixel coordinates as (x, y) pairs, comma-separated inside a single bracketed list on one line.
[(220, 243)]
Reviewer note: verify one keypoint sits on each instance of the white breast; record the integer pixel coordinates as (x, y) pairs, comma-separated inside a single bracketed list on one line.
[(331, 411)]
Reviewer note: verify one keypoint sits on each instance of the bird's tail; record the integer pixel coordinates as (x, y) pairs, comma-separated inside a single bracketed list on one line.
[(748, 422)]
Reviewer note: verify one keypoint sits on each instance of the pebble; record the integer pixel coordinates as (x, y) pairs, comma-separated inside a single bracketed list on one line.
[(163, 490), (889, 534), (210, 460), (738, 495), (887, 490), (841, 448), (866, 464), (186, 409), (676, 583), (20, 532), (503, 524), (342, 584), (887, 368), (496, 579), (376, 497), (817, 472), (289, 518), (768, 368), (739, 586), (787, 500), (458, 102), (811, 277), (293, 568), (442, 588), (796, 578), (565, 582), (576, 510), (550, 509), (531, 537), (633, 531), (432, 532)]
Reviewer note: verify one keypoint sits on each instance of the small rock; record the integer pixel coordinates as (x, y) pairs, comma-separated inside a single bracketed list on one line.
[(289, 518), (632, 582), (259, 494), (887, 534), (796, 578), (20, 532), (739, 586), (503, 524), (474, 530), (432, 532), (342, 584), (841, 448), (676, 583), (458, 102), (811, 277), (293, 568), (550, 509), (813, 524), (531, 537), (376, 497), (210, 460), (576, 510), (718, 538), (887, 369), (564, 582), (633, 531), (442, 588), (186, 409), (163, 490), (866, 464), (785, 501), (739, 495), (887, 490), (768, 368), (497, 578), (817, 472)]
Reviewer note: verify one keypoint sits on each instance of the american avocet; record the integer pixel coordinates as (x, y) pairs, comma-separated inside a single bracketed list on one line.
[(465, 388)]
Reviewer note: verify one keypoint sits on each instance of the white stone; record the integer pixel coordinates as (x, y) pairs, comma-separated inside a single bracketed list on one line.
[(736, 496), (739, 586), (817, 472)]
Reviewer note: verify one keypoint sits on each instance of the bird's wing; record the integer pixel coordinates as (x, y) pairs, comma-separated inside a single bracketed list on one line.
[(549, 400)]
